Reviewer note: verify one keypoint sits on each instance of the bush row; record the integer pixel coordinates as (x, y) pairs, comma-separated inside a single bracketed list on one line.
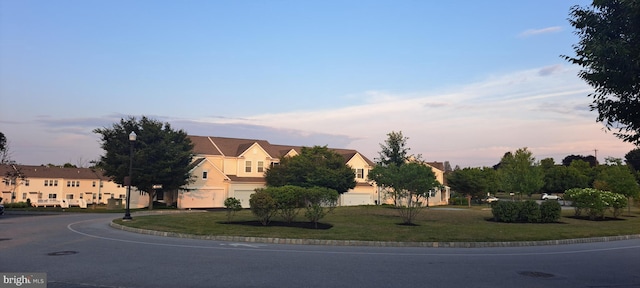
[(288, 201), (526, 212), (595, 203), (18, 204)]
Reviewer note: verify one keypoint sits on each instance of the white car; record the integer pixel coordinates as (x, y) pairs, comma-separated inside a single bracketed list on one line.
[(490, 199), (546, 196)]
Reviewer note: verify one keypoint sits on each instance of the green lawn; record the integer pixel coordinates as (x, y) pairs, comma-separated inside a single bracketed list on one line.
[(378, 223)]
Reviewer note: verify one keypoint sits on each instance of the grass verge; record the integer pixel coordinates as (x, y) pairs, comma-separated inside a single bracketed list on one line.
[(377, 223)]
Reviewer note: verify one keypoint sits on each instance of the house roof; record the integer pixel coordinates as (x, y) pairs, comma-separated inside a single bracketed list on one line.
[(234, 147), (437, 165), (32, 171)]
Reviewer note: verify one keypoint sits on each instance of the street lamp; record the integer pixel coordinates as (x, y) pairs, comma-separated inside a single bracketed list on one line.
[(132, 138)]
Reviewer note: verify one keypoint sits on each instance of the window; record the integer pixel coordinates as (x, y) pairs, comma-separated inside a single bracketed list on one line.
[(55, 183), (121, 196), (53, 196), (260, 166), (68, 183), (70, 196), (26, 182), (360, 173), (81, 196), (247, 166), (77, 183), (101, 185), (274, 164), (204, 174), (46, 183), (93, 184), (24, 196)]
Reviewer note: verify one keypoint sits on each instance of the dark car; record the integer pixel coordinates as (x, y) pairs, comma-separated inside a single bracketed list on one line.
[(1, 209)]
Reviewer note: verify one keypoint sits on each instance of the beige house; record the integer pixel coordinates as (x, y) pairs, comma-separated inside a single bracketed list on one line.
[(232, 167), (57, 186)]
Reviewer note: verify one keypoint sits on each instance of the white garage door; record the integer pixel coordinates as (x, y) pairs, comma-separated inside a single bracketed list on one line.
[(243, 196), (354, 199)]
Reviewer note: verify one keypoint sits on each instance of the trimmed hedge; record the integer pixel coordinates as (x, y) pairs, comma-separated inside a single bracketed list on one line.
[(526, 212)]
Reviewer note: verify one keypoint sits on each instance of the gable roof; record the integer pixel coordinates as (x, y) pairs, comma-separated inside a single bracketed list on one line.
[(235, 147), (32, 171)]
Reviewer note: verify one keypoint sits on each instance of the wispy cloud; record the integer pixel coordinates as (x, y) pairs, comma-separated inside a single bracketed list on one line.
[(533, 32)]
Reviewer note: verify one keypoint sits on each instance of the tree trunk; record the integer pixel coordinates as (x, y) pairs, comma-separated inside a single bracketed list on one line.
[(151, 195)]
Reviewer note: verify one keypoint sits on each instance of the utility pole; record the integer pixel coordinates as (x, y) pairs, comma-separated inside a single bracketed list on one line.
[(595, 151)]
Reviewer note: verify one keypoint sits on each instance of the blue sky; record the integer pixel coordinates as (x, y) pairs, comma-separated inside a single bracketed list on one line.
[(466, 81)]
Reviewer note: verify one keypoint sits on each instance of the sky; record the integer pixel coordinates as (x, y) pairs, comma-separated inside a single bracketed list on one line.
[(465, 81)]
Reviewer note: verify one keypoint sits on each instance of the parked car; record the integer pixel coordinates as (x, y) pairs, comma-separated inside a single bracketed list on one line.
[(546, 196), (1, 209), (490, 199)]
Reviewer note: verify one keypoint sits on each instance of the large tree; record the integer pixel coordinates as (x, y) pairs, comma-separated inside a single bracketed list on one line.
[(609, 52), (317, 166), (5, 155), (520, 173), (566, 161), (161, 155)]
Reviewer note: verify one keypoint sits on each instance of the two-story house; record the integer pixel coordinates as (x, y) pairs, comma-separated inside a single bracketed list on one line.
[(232, 167), (50, 186)]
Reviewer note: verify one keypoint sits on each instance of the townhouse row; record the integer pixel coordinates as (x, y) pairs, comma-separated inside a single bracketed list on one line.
[(221, 168)]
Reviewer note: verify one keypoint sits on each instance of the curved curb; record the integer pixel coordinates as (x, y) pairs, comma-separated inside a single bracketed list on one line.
[(374, 243)]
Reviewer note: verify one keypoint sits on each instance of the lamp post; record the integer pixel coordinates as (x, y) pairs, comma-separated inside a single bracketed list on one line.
[(132, 138)]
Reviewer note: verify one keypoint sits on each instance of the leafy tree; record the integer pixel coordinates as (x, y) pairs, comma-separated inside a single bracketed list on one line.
[(394, 151), (316, 166), (609, 52), (633, 159), (557, 179), (469, 181), (617, 179), (410, 184), (161, 155), (520, 173), (589, 159)]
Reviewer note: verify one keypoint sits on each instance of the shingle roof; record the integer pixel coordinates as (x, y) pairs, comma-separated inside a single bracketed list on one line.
[(32, 171), (234, 147)]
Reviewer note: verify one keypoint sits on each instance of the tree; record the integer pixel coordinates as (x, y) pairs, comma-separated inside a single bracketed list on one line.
[(161, 155), (469, 181), (13, 178), (520, 173), (589, 159), (394, 151), (314, 167), (633, 159), (609, 52), (5, 154), (410, 184), (558, 179)]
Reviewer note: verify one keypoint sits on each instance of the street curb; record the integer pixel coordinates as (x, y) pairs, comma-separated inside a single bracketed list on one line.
[(374, 243)]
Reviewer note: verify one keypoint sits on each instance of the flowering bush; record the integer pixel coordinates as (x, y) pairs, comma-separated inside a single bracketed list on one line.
[(595, 203)]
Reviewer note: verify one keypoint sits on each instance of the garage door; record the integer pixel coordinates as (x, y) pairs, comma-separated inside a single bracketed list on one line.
[(354, 199), (243, 196)]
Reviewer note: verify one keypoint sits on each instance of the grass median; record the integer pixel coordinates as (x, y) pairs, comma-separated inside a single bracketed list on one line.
[(379, 223)]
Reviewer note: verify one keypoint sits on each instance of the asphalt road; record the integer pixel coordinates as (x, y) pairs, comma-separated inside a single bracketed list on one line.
[(81, 250)]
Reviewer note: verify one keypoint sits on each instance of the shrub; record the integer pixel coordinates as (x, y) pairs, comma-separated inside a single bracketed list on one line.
[(505, 211), (233, 205), (319, 202), (595, 203), (263, 206), (528, 211), (16, 205), (288, 200), (550, 211), (458, 201)]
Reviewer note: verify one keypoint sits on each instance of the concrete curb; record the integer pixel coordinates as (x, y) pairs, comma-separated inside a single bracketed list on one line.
[(374, 243)]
